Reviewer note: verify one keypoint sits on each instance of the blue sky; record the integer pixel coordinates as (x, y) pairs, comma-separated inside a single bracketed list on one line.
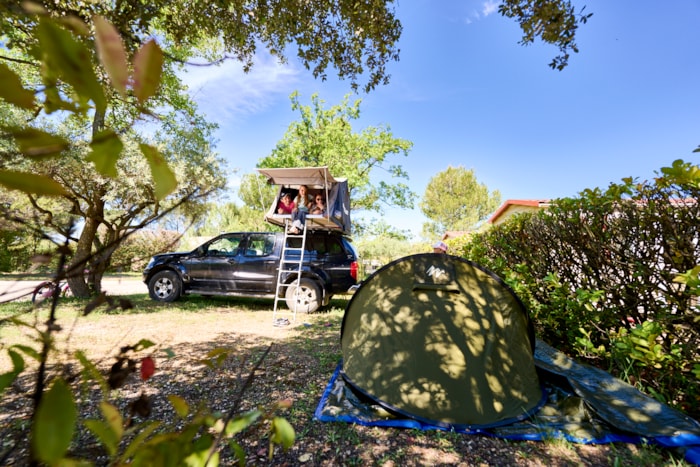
[(466, 93)]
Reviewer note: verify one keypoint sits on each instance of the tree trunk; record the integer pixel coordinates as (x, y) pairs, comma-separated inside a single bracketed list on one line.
[(102, 258), (77, 280), (85, 273), (84, 260)]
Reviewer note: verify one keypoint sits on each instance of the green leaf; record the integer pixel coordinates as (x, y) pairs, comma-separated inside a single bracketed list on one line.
[(17, 367), (54, 423), (17, 361), (143, 344), (148, 65), (180, 405), (238, 452), (139, 440), (28, 351), (110, 50), (163, 177), (199, 459), (102, 431), (12, 91), (36, 143), (54, 101), (90, 371), (282, 432), (113, 418), (242, 422), (106, 148), (6, 379), (200, 453), (69, 60), (31, 183)]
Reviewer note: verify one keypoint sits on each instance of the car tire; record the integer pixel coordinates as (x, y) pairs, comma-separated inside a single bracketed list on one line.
[(165, 286), (307, 300)]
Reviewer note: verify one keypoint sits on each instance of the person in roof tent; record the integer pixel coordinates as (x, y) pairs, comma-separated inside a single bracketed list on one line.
[(302, 203), (319, 206), (440, 247), (303, 200), (286, 205)]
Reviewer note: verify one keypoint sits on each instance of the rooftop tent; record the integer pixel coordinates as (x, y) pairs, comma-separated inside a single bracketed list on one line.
[(441, 340), (318, 180)]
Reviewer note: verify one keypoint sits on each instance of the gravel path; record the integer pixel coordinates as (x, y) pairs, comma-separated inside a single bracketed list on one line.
[(22, 290)]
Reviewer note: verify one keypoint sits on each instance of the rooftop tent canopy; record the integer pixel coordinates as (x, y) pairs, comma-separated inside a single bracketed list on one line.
[(317, 180)]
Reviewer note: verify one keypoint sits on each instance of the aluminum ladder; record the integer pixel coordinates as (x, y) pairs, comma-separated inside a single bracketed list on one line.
[(288, 265)]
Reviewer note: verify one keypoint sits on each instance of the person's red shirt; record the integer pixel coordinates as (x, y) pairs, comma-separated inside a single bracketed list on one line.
[(285, 206)]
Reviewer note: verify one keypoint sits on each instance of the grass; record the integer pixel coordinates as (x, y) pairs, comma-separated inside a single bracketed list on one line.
[(298, 368)]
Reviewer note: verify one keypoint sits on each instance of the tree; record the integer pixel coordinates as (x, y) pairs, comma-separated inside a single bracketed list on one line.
[(256, 193), (454, 200), (379, 228), (54, 41), (553, 21), (229, 217), (355, 37), (111, 208), (324, 137)]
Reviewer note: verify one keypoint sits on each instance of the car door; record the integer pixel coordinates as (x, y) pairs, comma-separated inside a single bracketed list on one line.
[(338, 258), (213, 265), (257, 266)]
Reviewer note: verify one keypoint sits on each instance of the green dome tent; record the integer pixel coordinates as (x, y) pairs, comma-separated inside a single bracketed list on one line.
[(441, 340)]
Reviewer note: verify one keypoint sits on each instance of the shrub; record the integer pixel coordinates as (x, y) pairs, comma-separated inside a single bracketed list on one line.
[(600, 274), (135, 251)]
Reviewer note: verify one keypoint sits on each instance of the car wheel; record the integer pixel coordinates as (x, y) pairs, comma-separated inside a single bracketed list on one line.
[(165, 286), (307, 300)]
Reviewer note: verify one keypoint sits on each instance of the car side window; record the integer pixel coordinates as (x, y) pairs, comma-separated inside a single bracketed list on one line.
[(224, 246), (260, 245), (334, 246), (316, 245)]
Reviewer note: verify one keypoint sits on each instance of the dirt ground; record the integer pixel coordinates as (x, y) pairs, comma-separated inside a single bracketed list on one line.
[(301, 359)]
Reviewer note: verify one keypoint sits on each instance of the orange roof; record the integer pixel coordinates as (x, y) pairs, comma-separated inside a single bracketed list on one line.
[(535, 203)]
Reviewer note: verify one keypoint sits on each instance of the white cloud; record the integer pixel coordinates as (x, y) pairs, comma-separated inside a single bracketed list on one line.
[(226, 93), (490, 7), (484, 9)]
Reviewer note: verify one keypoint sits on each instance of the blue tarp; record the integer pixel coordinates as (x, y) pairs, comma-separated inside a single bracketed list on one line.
[(584, 405)]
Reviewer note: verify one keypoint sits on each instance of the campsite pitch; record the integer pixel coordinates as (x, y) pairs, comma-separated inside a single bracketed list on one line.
[(302, 359)]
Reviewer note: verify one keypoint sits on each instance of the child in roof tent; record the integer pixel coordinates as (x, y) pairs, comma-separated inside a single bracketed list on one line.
[(303, 200), (319, 206), (286, 205)]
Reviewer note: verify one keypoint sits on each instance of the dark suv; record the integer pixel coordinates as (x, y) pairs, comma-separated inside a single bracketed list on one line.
[(246, 264)]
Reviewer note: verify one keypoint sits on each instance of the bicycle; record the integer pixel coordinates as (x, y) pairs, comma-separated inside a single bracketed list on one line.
[(45, 291)]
